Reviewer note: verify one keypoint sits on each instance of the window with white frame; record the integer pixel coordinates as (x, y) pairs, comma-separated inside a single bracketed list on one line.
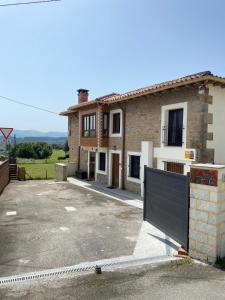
[(116, 123), (89, 125), (102, 162), (134, 165), (174, 119)]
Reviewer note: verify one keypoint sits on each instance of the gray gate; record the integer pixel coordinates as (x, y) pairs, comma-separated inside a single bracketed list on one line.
[(166, 203)]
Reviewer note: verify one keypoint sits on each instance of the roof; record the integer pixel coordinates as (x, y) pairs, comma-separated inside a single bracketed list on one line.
[(205, 77)]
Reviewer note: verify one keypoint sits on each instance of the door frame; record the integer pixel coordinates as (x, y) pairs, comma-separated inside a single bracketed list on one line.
[(88, 163), (111, 152)]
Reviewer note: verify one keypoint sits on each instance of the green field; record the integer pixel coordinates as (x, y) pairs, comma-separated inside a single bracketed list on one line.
[(41, 168)]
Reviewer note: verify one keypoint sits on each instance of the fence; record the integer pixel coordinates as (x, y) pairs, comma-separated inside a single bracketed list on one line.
[(4, 174)]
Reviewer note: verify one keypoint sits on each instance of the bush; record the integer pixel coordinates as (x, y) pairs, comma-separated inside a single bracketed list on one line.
[(37, 150)]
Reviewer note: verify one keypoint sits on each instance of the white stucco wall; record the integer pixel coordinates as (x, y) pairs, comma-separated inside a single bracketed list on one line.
[(217, 108)]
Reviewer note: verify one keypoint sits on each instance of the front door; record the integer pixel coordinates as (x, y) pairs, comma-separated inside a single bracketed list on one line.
[(115, 170), (91, 165)]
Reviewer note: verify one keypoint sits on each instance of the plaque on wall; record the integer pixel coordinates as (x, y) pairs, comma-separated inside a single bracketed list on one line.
[(204, 176)]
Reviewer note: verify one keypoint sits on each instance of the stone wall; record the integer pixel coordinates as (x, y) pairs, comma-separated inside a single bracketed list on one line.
[(73, 139), (4, 174), (207, 218)]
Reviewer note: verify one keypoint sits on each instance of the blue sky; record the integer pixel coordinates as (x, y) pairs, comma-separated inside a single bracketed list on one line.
[(48, 51)]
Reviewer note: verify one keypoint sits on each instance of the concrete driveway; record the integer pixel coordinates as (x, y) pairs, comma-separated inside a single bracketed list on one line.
[(45, 225)]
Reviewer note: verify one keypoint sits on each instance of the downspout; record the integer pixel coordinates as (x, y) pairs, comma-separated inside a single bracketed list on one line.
[(123, 108)]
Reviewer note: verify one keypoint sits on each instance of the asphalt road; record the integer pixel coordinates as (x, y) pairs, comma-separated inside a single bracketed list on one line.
[(168, 282), (48, 225)]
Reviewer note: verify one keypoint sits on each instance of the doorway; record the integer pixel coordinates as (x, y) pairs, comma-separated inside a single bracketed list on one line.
[(92, 162), (115, 170)]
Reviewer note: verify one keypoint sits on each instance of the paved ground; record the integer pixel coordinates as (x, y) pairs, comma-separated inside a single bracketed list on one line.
[(47, 225), (163, 282)]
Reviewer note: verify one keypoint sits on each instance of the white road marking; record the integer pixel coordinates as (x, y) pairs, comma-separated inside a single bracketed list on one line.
[(70, 208), (11, 213), (24, 261), (64, 229)]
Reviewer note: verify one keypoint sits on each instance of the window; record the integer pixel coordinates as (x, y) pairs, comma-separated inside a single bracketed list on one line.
[(116, 123), (102, 161), (105, 125), (174, 167), (89, 125), (175, 127), (134, 166)]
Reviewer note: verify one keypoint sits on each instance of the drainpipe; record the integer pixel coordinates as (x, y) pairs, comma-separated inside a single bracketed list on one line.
[(123, 108)]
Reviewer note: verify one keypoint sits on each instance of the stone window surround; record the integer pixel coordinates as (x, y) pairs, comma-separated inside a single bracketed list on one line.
[(136, 180), (112, 112), (106, 162), (164, 121)]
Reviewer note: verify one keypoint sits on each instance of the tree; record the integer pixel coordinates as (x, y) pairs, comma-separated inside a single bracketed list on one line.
[(66, 146), (38, 150), (25, 150)]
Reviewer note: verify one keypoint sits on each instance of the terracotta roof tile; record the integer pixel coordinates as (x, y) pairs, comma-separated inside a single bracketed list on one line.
[(111, 98)]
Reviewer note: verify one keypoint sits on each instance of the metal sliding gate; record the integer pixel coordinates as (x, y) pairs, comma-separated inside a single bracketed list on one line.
[(166, 203)]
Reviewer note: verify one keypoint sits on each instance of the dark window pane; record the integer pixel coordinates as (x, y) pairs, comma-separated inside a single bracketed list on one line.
[(116, 123), (105, 127), (89, 125), (102, 157), (175, 127), (135, 166)]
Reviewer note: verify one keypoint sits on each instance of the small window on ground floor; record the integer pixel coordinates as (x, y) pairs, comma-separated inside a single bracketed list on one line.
[(134, 170), (102, 161), (174, 167)]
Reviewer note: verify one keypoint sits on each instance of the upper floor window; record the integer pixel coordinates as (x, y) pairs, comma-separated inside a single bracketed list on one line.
[(175, 127), (89, 125), (105, 125), (116, 123)]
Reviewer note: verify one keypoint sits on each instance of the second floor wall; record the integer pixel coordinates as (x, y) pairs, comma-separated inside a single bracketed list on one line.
[(177, 118)]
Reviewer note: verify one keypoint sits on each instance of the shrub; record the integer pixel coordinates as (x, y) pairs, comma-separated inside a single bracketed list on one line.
[(37, 150)]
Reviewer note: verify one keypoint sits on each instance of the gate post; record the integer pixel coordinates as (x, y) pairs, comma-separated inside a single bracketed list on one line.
[(207, 212)]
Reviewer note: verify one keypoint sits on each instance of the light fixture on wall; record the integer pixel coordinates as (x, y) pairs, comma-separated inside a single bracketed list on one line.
[(114, 147), (201, 89)]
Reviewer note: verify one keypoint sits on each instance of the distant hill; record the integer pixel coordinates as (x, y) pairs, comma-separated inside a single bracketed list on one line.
[(50, 137), (35, 133)]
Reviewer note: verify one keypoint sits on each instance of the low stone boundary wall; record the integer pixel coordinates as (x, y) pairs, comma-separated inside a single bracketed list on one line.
[(4, 174), (207, 212)]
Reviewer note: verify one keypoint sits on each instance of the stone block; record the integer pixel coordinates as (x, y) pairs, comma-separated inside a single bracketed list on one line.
[(212, 219), (206, 249), (61, 172), (200, 194), (193, 203), (212, 240), (198, 236), (206, 228), (207, 206), (199, 215)]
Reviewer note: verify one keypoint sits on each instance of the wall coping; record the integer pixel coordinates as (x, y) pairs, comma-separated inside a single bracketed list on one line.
[(207, 166)]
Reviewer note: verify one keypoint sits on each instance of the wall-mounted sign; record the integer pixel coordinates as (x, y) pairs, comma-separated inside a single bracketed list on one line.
[(189, 154), (204, 176)]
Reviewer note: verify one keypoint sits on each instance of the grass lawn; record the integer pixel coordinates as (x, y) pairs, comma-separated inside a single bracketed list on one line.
[(42, 168)]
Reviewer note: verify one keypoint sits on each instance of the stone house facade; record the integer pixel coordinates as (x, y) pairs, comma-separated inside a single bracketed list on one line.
[(168, 126)]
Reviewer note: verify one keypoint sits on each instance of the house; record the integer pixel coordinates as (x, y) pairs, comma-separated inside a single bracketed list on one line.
[(168, 126)]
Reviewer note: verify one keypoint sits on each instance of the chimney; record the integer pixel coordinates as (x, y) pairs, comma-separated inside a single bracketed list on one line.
[(82, 95)]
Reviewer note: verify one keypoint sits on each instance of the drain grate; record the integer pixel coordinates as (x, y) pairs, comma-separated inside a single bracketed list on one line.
[(81, 268)]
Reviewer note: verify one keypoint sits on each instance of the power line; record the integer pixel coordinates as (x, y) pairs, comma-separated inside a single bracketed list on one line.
[(30, 2), (28, 105)]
